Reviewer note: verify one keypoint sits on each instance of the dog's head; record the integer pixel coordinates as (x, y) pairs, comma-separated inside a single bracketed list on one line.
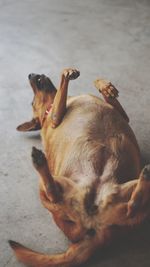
[(44, 92)]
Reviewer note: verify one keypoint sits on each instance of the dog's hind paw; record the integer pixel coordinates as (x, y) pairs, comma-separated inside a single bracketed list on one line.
[(146, 172), (38, 157), (134, 205), (140, 198)]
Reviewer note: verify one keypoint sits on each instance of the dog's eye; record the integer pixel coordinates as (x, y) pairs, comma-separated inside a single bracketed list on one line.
[(39, 80), (39, 83)]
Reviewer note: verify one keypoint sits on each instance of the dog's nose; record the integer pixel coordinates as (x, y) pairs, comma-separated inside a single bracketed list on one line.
[(31, 75)]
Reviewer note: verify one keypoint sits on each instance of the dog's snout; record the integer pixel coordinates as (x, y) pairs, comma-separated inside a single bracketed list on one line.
[(31, 75)]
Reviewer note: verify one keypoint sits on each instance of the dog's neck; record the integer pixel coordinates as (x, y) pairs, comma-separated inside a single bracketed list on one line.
[(44, 110), (45, 115)]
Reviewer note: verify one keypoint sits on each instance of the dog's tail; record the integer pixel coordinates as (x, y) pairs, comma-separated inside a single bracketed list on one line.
[(75, 255)]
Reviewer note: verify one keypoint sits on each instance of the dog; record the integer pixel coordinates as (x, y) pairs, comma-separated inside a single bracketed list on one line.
[(90, 173)]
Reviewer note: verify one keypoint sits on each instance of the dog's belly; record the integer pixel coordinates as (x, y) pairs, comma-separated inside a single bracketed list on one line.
[(93, 140)]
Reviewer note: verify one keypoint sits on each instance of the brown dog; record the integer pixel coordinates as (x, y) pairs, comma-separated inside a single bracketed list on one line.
[(88, 170)]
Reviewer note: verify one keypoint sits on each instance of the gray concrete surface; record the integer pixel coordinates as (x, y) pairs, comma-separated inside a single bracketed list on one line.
[(103, 38)]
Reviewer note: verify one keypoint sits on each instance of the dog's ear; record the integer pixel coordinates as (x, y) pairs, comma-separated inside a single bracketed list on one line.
[(32, 125)]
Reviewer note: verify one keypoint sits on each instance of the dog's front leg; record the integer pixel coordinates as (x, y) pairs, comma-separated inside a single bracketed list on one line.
[(59, 105), (110, 94)]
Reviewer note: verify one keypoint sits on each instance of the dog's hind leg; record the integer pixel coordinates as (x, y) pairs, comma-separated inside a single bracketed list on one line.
[(110, 94), (59, 105), (131, 203), (51, 188), (140, 198)]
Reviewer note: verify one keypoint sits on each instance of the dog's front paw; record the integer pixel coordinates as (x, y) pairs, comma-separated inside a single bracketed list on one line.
[(71, 74), (106, 88), (38, 157)]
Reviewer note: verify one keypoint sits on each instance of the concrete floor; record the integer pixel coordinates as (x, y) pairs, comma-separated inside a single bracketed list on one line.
[(103, 38)]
